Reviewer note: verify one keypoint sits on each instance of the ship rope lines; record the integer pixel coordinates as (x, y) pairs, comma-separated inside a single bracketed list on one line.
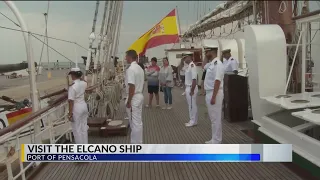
[(43, 42), (234, 13)]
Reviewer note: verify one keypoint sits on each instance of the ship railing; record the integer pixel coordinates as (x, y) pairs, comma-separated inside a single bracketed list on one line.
[(54, 124)]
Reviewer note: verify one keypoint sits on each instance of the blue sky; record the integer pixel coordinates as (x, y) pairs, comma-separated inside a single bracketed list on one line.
[(72, 20)]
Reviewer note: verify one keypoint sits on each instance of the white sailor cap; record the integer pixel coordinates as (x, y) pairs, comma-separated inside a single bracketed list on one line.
[(210, 47), (73, 70), (226, 51), (187, 54)]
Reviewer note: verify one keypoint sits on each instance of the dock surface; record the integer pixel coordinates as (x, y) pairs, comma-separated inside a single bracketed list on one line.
[(19, 88), (167, 127)]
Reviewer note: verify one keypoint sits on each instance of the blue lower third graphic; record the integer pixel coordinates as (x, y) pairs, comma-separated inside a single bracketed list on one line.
[(146, 157)]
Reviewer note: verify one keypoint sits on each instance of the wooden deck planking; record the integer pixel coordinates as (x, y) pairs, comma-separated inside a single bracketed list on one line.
[(167, 127)]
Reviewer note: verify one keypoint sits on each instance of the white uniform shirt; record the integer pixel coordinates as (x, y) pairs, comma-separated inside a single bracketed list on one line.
[(190, 74), (77, 90), (215, 71), (183, 70), (135, 76), (126, 80), (206, 66), (231, 64)]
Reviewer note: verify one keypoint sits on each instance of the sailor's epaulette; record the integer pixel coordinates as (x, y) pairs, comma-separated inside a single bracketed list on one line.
[(232, 59), (192, 65), (215, 63), (71, 84)]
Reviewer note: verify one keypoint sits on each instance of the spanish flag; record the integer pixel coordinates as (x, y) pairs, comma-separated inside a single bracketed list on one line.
[(18, 115), (164, 32)]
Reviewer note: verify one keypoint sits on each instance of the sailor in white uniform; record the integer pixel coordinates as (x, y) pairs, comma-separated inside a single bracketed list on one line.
[(126, 86), (78, 109), (213, 85), (191, 90), (134, 101), (231, 64)]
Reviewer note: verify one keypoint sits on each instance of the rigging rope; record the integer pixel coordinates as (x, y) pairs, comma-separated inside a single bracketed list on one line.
[(10, 19), (283, 7), (103, 20), (41, 55), (2, 27), (102, 29), (50, 37), (99, 50)]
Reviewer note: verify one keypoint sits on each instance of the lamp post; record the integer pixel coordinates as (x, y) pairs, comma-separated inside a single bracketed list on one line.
[(92, 37)]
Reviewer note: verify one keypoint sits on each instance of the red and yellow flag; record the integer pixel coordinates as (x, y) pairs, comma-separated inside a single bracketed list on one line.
[(165, 32), (18, 115)]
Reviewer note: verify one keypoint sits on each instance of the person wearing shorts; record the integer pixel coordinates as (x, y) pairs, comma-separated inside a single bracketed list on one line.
[(152, 74)]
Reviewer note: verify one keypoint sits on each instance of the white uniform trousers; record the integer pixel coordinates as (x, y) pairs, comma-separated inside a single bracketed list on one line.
[(135, 118), (214, 112), (192, 103), (79, 124)]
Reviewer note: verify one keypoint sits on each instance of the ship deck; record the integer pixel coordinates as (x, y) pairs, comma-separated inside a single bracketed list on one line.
[(167, 127)]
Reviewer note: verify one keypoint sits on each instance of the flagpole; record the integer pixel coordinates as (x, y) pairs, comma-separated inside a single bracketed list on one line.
[(75, 50), (123, 68), (178, 24)]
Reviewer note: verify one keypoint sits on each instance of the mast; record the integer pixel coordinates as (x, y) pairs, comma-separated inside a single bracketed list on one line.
[(91, 38), (119, 27), (109, 35), (99, 52), (47, 40), (106, 39), (115, 35)]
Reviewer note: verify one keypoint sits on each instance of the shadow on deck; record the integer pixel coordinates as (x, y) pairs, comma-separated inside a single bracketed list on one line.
[(167, 127)]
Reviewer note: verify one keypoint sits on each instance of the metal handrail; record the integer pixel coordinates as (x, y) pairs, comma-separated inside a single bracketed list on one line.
[(55, 122), (36, 114), (26, 120), (53, 94)]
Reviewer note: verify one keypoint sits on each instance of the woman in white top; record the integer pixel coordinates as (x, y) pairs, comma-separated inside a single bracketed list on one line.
[(166, 83), (78, 109)]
